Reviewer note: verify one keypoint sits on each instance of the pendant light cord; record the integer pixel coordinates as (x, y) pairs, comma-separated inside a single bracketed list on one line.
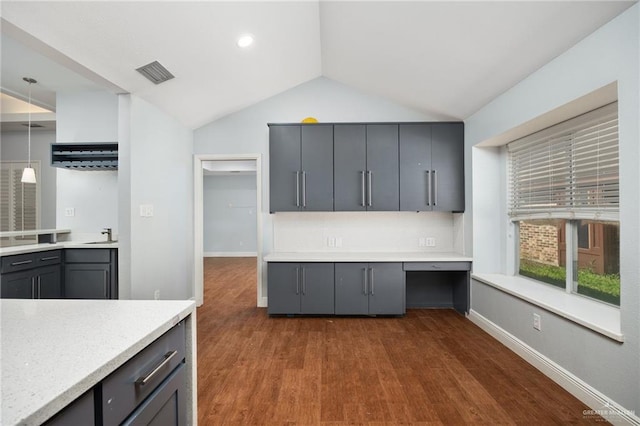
[(29, 126)]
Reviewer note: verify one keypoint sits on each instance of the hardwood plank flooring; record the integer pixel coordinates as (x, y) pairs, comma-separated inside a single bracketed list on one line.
[(427, 368)]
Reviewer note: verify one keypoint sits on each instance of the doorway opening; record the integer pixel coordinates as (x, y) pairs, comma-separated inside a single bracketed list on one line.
[(242, 233)]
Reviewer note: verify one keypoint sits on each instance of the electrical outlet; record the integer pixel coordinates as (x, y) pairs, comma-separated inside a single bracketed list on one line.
[(537, 322), (338, 242), (156, 295), (430, 242), (422, 242), (331, 242), (69, 212), (146, 210)]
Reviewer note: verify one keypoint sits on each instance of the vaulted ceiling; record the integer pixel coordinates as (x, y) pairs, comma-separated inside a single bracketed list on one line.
[(446, 59)]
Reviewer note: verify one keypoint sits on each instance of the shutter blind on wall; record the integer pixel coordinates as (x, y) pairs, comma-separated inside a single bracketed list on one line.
[(569, 170), (20, 210)]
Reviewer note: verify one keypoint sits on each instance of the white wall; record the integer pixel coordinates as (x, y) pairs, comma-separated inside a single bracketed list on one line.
[(609, 54), (14, 148), (229, 217), (87, 117), (157, 253)]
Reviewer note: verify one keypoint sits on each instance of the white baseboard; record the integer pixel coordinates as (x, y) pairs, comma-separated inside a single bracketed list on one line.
[(598, 402), (230, 254)]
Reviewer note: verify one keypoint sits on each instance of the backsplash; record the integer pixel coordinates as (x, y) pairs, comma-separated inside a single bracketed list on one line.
[(366, 231)]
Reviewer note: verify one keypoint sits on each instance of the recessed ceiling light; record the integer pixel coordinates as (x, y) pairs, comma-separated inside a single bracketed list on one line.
[(245, 40)]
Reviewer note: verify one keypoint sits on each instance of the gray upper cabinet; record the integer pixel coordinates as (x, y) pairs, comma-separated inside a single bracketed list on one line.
[(369, 289), (432, 167), (366, 166), (301, 167)]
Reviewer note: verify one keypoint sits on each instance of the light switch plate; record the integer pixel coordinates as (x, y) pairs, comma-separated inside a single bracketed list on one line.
[(69, 212)]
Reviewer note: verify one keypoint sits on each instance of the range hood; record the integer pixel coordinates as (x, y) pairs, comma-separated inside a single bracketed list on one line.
[(85, 156)]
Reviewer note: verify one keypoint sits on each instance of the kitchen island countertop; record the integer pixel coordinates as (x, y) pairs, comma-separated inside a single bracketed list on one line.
[(55, 350)]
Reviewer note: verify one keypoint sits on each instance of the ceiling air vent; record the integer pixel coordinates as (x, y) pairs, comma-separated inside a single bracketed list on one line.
[(155, 72)]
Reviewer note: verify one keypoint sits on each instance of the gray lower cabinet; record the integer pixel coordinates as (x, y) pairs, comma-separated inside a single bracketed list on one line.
[(369, 289), (366, 167), (432, 167), (300, 167), (32, 276), (80, 412), (300, 288), (149, 389), (91, 274)]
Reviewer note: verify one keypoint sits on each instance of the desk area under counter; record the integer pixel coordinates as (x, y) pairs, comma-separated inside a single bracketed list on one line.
[(366, 283)]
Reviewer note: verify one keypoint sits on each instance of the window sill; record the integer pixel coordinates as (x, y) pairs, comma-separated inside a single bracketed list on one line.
[(597, 316)]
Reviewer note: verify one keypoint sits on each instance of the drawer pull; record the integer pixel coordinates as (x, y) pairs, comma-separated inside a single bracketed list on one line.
[(44, 259), (23, 262), (167, 358)]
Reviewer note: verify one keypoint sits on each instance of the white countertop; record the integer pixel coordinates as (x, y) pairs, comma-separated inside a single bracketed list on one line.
[(32, 248), (335, 256), (55, 350), (34, 232)]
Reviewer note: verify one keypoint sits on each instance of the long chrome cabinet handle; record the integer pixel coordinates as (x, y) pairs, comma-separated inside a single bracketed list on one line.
[(304, 284), (297, 280), (435, 189), (297, 189), (44, 259), (362, 199), (167, 358), (304, 189), (39, 286), (428, 187), (371, 285), (23, 262), (364, 281), (369, 178), (34, 294)]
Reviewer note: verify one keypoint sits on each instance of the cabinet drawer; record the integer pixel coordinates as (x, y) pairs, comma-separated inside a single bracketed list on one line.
[(87, 255), (18, 262), (132, 383), (45, 258), (437, 266)]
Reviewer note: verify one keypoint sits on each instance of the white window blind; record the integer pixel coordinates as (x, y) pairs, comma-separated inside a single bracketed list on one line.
[(569, 170), (19, 210)]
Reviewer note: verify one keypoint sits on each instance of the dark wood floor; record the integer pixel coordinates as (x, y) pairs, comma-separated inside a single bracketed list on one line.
[(429, 367)]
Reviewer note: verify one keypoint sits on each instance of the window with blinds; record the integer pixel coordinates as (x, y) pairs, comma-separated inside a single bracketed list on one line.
[(569, 170), (19, 209)]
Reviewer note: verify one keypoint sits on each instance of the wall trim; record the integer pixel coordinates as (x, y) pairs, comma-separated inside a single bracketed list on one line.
[(230, 254), (593, 398)]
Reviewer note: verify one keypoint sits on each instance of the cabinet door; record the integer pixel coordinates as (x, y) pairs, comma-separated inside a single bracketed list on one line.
[(79, 412), (386, 289), (447, 160), (383, 179), (87, 281), (316, 180), (283, 288), (49, 282), (351, 289), (284, 168), (166, 406), (317, 288), (350, 165), (17, 285), (415, 167)]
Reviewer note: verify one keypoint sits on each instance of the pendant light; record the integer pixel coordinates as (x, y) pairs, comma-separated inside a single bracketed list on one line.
[(28, 174)]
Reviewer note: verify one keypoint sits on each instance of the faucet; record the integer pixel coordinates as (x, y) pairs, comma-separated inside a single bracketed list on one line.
[(109, 235)]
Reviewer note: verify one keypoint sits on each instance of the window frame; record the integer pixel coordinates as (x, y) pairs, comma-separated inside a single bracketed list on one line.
[(15, 168)]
